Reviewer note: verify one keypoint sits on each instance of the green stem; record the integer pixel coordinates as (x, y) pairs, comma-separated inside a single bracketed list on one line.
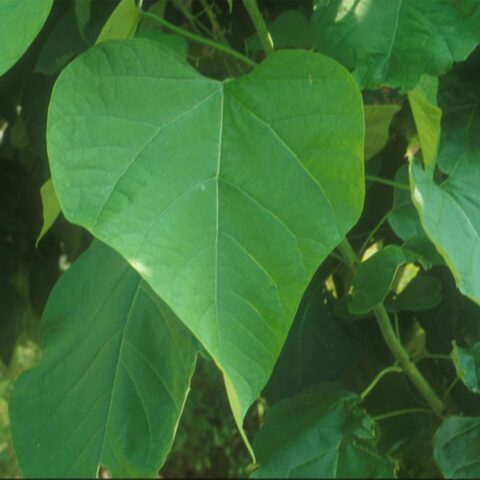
[(403, 359), (198, 39), (260, 26), (394, 345), (397, 413), (377, 378), (385, 181)]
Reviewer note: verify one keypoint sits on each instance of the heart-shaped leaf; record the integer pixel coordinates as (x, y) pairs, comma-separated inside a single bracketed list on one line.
[(20, 23), (113, 379), (225, 196)]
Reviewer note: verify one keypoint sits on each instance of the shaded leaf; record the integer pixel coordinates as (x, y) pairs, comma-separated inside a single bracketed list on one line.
[(422, 293), (427, 116), (377, 125), (113, 379), (321, 433), (318, 349), (224, 196), (395, 42), (30, 15), (467, 365), (455, 447), (290, 29), (63, 43)]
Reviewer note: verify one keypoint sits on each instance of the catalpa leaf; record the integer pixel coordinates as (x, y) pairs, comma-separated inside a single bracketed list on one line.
[(467, 365), (113, 379), (224, 196), (394, 42), (321, 433), (450, 209), (455, 447), (20, 23)]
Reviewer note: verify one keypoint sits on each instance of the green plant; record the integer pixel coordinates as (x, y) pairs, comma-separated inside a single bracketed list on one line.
[(289, 190)]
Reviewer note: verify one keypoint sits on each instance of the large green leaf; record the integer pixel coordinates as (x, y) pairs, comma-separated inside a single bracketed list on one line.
[(20, 23), (456, 446), (450, 210), (113, 379), (321, 433), (467, 365), (225, 196), (377, 125), (427, 116), (394, 42)]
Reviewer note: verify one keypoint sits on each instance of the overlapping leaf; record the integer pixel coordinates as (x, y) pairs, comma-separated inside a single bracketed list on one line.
[(113, 379), (450, 209), (225, 196), (394, 42), (20, 23)]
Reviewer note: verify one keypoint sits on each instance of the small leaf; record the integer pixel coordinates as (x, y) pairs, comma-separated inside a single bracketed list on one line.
[(377, 125), (450, 210), (455, 447), (21, 21), (427, 116), (122, 22), (394, 42), (374, 277), (321, 433), (467, 364), (224, 196), (113, 379), (422, 293), (50, 206)]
